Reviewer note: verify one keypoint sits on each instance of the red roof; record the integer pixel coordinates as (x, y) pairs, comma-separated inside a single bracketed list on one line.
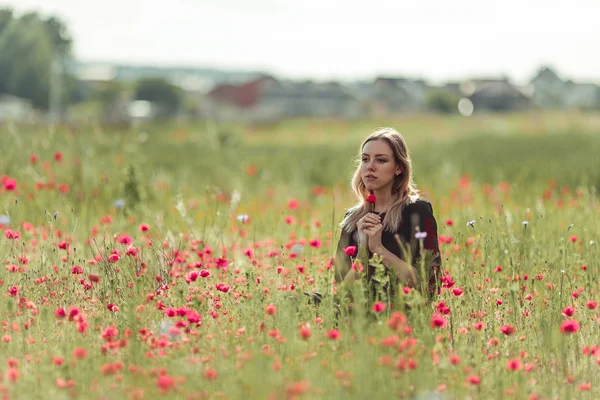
[(244, 96)]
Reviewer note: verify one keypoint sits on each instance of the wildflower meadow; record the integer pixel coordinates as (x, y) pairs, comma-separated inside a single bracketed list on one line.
[(183, 261)]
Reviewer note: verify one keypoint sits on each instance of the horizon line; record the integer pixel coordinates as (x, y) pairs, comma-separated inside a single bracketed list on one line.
[(355, 77)]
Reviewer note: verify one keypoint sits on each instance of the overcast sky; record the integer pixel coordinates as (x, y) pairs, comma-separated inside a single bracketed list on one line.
[(344, 39)]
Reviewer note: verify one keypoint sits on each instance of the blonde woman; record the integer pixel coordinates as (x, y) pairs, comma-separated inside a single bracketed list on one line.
[(390, 219)]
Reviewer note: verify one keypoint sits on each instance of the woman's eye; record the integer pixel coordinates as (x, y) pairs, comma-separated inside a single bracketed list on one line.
[(381, 160), (365, 160)]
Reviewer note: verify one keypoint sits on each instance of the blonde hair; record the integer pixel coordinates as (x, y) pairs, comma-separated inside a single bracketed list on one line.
[(404, 191)]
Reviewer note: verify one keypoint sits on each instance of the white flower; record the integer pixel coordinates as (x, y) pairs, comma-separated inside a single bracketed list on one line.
[(471, 223), (421, 235), (242, 218), (4, 220), (298, 249), (119, 203), (591, 242), (235, 200), (525, 223), (165, 329)]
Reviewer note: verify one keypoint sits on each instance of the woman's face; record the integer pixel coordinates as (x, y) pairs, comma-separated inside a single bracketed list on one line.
[(378, 166)]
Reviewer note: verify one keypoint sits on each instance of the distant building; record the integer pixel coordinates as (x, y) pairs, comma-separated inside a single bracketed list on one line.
[(583, 96), (254, 96), (298, 99), (238, 101), (553, 92), (496, 94), (452, 87), (396, 95), (549, 89), (267, 98)]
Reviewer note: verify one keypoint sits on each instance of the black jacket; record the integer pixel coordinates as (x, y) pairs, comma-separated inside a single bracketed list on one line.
[(419, 213)]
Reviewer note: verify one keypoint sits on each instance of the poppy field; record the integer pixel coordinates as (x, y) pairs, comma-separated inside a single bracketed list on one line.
[(196, 262)]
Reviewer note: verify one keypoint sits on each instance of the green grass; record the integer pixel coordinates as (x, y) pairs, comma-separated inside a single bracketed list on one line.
[(190, 182)]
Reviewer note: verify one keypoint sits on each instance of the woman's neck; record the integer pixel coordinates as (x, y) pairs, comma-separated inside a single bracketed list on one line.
[(383, 200)]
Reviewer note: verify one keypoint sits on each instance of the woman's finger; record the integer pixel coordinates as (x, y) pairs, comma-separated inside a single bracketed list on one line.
[(373, 228), (372, 218), (368, 221), (371, 232)]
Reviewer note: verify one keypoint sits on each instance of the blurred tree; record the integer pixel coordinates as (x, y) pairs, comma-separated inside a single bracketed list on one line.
[(166, 96), (31, 48), (26, 59), (6, 16), (443, 101), (59, 36)]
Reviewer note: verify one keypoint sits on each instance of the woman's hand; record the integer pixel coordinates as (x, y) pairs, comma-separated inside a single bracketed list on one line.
[(374, 238), (370, 228)]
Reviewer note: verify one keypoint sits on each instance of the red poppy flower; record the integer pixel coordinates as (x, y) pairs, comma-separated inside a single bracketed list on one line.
[(507, 329), (10, 184), (438, 321), (350, 250), (569, 326)]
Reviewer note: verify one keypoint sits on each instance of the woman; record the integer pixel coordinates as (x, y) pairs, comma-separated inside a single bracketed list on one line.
[(395, 223)]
